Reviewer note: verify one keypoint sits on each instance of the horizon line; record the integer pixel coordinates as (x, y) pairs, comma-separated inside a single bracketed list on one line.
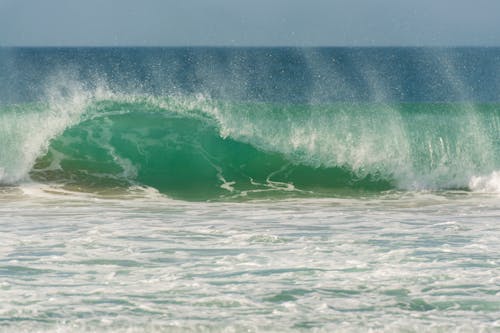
[(250, 46)]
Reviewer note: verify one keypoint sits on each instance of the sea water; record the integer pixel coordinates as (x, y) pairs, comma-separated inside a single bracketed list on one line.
[(227, 189)]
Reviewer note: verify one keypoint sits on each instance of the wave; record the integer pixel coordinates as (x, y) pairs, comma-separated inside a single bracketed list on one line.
[(193, 147)]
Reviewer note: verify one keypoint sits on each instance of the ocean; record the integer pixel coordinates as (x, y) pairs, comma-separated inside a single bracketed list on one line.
[(250, 189)]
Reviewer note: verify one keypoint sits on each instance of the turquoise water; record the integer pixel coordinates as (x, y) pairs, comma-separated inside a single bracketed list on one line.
[(249, 190)]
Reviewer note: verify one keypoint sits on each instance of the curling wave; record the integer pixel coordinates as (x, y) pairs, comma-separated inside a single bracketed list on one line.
[(193, 147)]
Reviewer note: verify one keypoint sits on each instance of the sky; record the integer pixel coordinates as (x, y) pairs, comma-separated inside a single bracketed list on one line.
[(249, 23)]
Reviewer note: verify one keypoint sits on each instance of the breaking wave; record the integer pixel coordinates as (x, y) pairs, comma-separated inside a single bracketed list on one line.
[(193, 147)]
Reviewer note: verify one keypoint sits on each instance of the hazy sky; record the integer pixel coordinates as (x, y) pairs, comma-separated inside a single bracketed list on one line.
[(249, 22)]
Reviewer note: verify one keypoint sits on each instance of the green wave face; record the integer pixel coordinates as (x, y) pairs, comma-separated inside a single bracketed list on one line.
[(198, 149)]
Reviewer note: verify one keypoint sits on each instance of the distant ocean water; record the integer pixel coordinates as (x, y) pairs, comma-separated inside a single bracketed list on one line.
[(250, 189)]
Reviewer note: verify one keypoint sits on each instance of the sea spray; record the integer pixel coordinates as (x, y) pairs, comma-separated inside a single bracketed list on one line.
[(26, 129)]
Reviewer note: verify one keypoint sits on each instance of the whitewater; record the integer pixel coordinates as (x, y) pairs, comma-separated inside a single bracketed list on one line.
[(249, 189)]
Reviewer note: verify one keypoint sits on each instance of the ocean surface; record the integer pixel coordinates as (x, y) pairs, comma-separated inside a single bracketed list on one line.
[(250, 189)]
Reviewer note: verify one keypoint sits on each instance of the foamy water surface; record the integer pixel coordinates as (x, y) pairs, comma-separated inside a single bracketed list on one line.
[(413, 262)]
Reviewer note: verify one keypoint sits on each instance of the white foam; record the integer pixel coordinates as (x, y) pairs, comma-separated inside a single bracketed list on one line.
[(486, 184)]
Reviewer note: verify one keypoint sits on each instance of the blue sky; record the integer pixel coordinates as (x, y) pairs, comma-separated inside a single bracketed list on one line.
[(249, 23)]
